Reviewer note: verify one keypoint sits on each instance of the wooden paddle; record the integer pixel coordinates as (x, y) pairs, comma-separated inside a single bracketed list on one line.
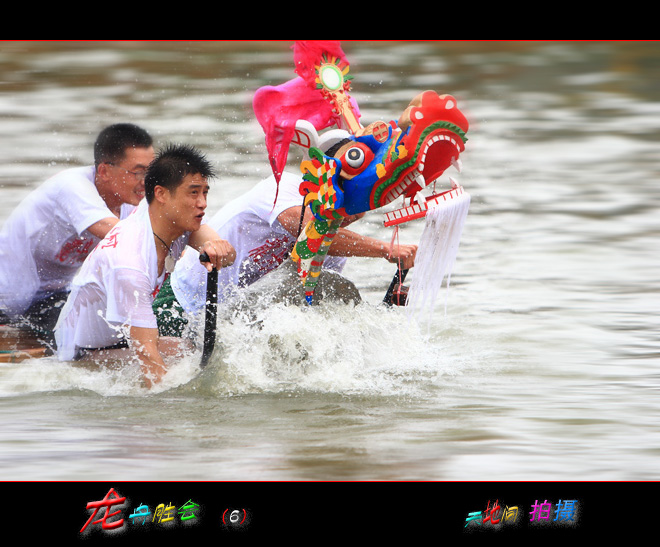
[(210, 319)]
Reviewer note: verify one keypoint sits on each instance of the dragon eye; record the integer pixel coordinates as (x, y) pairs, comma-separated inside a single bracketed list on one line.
[(354, 157)]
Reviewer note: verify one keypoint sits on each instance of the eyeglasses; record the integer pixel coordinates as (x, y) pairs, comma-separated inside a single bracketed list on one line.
[(139, 175)]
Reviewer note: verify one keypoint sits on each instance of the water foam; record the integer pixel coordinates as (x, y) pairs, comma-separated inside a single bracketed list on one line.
[(329, 348)]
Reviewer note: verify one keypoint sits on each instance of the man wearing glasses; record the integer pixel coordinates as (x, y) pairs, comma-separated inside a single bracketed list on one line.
[(47, 237)]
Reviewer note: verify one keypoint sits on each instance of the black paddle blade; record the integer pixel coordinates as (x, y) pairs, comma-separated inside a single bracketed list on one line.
[(396, 293), (211, 312)]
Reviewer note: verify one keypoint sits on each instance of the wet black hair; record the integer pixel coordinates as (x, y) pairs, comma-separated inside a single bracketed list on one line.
[(171, 166), (112, 142)]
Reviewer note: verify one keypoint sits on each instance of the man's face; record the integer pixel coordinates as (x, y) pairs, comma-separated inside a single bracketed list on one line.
[(128, 174), (187, 203)]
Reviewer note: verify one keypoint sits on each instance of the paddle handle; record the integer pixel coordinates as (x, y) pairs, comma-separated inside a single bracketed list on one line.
[(211, 316), (398, 278)]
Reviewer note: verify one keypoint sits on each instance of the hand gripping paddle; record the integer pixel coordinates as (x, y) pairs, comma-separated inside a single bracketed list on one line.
[(211, 312)]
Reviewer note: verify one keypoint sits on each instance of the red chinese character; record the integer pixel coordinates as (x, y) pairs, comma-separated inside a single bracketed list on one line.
[(75, 250), (271, 254), (107, 503), (109, 241), (493, 514)]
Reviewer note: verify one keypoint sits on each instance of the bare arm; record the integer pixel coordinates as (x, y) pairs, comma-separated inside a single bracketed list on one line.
[(350, 243), (102, 227), (221, 253), (145, 343)]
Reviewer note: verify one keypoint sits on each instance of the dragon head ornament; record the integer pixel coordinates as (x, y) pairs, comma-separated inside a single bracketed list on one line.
[(352, 169)]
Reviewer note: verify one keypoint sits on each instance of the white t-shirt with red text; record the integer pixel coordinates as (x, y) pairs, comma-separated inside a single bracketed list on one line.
[(115, 287), (45, 239)]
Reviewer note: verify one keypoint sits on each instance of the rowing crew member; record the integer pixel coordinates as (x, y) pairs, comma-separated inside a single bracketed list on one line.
[(110, 305), (48, 236)]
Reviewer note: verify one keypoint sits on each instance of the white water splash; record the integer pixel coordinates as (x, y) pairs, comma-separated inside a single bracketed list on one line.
[(436, 254), (329, 348)]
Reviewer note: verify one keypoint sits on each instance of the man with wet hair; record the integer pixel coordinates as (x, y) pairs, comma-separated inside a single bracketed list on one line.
[(109, 310), (46, 238)]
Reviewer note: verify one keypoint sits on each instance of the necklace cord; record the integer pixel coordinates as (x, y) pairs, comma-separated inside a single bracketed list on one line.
[(168, 247)]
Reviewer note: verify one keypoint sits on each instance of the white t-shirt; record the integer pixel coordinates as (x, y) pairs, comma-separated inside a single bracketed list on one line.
[(45, 239), (250, 224), (114, 288)]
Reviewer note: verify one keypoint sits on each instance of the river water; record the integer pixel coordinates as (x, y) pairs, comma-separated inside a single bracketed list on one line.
[(542, 366)]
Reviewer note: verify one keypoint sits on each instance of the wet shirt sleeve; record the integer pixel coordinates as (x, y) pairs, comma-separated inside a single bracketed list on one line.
[(82, 205), (130, 298)]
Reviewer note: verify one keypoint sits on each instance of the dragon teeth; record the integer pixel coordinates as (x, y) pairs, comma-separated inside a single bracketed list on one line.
[(417, 177)]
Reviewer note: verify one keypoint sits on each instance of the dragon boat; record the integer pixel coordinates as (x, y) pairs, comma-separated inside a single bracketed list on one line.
[(17, 344), (351, 169)]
